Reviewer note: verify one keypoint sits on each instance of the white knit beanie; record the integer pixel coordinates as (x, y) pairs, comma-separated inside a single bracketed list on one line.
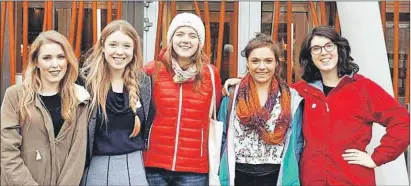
[(187, 19)]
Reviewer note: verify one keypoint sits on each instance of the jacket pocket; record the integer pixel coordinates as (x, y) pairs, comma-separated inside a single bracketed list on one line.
[(37, 161)]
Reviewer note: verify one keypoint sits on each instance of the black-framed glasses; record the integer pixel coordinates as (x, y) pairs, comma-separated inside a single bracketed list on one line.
[(329, 47)]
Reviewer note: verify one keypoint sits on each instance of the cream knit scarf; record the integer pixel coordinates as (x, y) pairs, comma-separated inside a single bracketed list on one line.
[(181, 75)]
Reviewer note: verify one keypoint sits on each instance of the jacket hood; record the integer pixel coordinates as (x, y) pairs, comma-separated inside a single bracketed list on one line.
[(81, 93), (301, 85)]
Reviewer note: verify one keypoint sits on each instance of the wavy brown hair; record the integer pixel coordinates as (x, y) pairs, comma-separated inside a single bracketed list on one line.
[(96, 69), (259, 41), (345, 64), (32, 81)]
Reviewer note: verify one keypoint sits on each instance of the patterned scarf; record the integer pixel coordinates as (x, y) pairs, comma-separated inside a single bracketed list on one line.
[(180, 75), (251, 114)]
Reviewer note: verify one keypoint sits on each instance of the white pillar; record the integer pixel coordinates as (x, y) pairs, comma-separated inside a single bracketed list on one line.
[(361, 25), (249, 22), (149, 37)]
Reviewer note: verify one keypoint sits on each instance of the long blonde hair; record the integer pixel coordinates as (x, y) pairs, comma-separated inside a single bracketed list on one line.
[(98, 76), (32, 81), (199, 59)]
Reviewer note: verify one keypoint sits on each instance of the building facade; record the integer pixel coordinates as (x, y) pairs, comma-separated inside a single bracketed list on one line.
[(290, 21)]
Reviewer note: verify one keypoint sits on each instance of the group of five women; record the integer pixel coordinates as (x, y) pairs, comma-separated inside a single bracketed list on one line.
[(129, 124)]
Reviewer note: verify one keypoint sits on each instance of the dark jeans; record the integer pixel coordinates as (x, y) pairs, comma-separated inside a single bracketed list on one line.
[(244, 179), (162, 177)]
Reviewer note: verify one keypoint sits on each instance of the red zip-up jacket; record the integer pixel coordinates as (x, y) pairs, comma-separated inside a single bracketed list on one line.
[(178, 140), (343, 120)]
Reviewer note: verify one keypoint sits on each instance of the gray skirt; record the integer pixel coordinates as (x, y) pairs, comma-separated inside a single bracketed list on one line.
[(126, 169)]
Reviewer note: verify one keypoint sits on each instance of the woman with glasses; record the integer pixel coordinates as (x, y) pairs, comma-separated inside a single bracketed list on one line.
[(340, 108)]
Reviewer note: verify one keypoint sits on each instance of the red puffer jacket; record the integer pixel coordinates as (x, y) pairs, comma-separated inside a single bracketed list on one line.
[(179, 136), (343, 120)]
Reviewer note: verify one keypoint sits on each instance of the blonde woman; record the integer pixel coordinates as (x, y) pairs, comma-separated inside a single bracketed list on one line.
[(120, 106), (44, 119), (178, 147)]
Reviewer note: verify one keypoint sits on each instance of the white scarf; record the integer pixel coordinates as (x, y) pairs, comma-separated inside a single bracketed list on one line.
[(181, 75)]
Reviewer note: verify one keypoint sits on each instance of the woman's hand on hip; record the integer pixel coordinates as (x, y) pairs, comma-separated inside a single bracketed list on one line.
[(354, 156)]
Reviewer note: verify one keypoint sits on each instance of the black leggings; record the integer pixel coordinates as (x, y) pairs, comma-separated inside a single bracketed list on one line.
[(244, 179)]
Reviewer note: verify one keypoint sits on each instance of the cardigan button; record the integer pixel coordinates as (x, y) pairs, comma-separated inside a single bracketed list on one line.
[(313, 105)]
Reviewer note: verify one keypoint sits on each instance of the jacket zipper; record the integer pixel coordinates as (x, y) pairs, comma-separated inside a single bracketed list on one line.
[(180, 103), (202, 139), (53, 149), (327, 131), (341, 84), (327, 110)]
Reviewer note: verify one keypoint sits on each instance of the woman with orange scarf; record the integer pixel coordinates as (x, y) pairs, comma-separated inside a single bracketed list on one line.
[(263, 119)]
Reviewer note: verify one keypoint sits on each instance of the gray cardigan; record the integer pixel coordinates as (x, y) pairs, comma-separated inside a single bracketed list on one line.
[(145, 93)]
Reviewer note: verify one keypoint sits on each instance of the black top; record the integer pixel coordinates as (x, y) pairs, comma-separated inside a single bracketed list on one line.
[(53, 106), (112, 137), (327, 89)]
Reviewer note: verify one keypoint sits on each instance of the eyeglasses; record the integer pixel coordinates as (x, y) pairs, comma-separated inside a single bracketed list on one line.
[(329, 47)]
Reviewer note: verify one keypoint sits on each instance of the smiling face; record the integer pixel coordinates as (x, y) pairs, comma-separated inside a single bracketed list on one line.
[(185, 42), (261, 64), (324, 54), (118, 50), (52, 63)]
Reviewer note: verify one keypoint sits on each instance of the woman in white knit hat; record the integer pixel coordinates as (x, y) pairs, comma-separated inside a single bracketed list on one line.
[(182, 92)]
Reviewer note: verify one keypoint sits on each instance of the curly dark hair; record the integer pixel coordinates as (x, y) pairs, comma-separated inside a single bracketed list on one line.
[(261, 40), (345, 64)]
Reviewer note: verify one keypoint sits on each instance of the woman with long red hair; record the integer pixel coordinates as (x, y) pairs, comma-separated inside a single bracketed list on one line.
[(44, 119), (119, 109)]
